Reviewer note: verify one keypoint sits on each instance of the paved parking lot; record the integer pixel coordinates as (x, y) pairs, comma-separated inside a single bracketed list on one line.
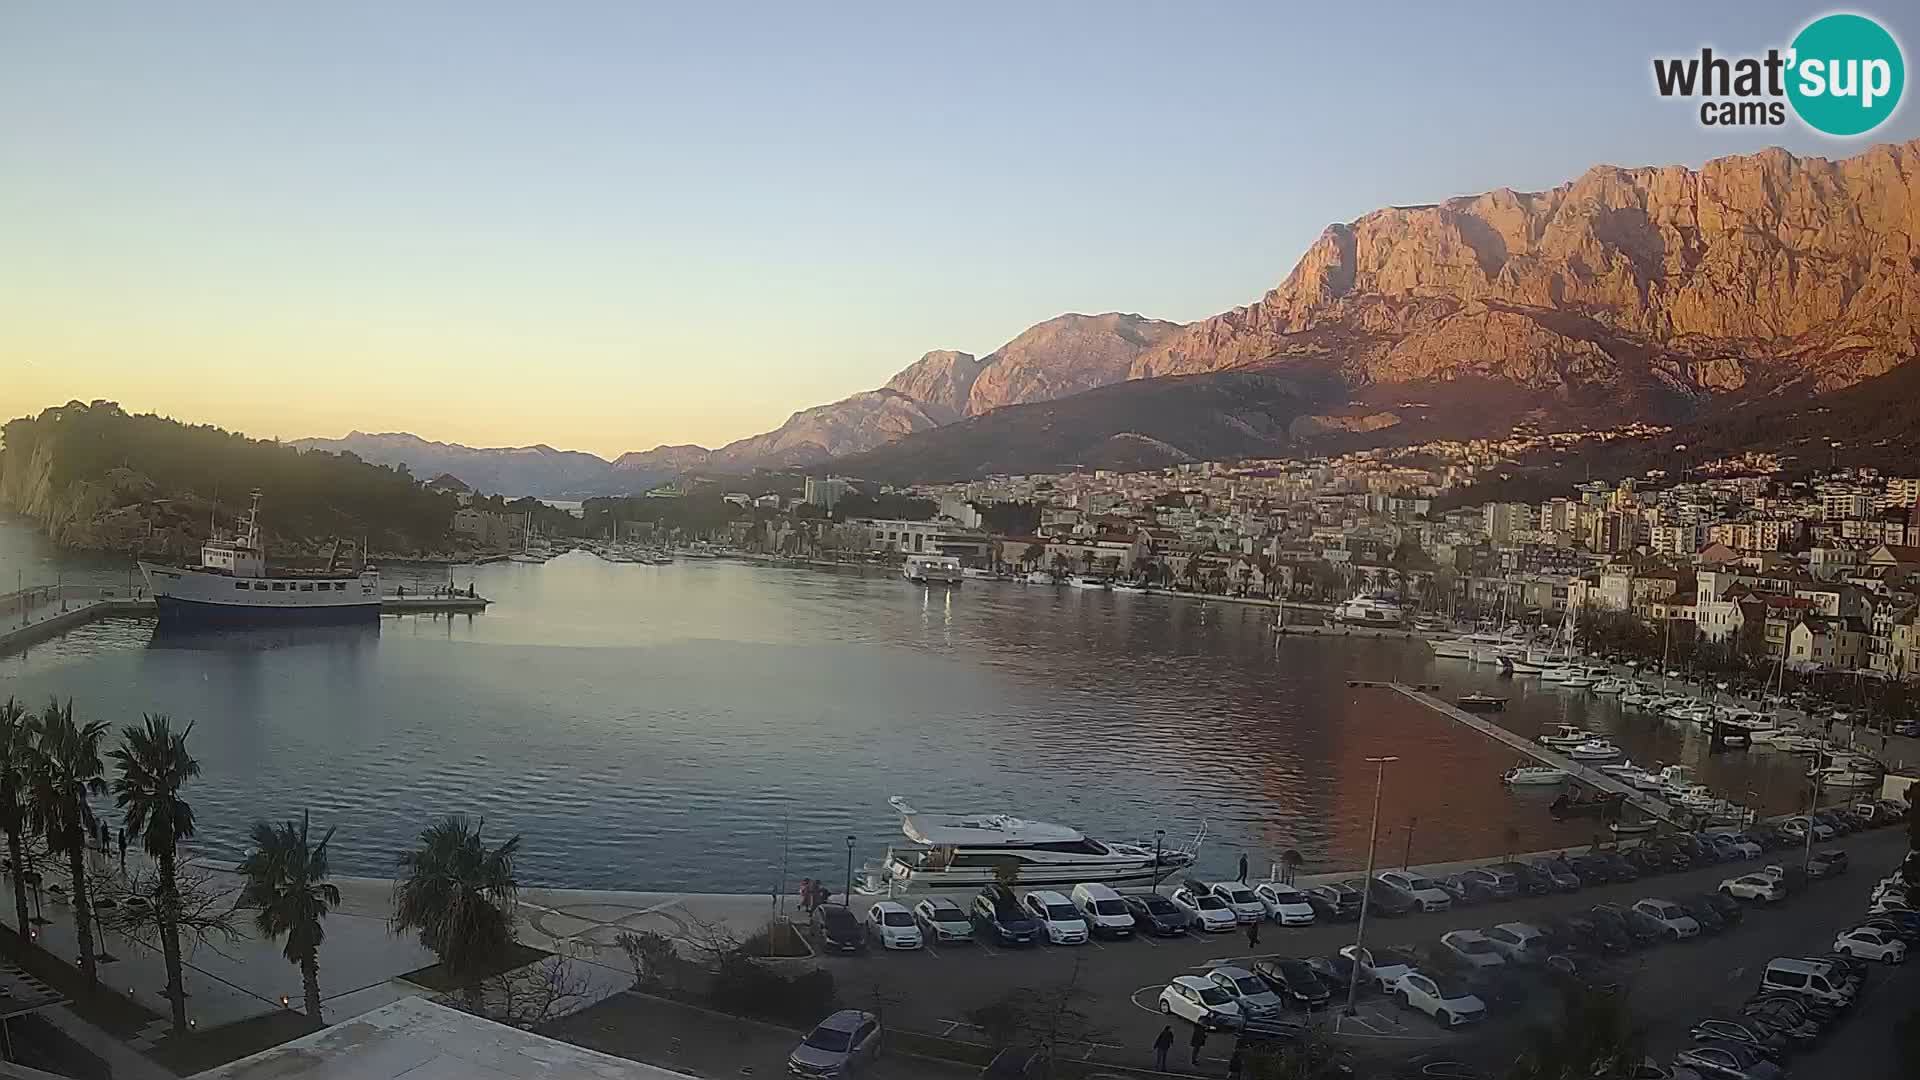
[(934, 989)]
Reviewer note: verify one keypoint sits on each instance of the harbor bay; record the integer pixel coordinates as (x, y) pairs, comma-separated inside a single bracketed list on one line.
[(720, 726)]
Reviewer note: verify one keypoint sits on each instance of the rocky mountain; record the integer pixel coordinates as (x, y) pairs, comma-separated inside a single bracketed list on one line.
[(940, 381), (1065, 355), (1655, 287), (508, 470)]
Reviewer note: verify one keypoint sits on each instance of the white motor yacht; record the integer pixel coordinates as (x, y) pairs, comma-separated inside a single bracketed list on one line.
[(1040, 577), (1553, 673), (967, 851), (1612, 684), (1523, 775), (1451, 648), (1676, 780), (1594, 750), (1578, 680), (1566, 735), (1089, 581), (1845, 776), (1369, 609)]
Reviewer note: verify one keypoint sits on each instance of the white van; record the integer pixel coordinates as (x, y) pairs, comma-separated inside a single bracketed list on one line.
[(1809, 978), (1106, 912)]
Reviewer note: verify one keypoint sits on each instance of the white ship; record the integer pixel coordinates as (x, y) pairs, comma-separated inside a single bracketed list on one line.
[(1367, 609), (967, 851), (932, 570), (231, 585)]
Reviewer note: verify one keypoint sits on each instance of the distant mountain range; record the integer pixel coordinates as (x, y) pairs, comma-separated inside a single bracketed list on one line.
[(1663, 294)]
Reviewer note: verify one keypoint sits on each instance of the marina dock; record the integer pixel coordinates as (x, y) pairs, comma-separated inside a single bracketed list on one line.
[(1659, 809), (34, 615)]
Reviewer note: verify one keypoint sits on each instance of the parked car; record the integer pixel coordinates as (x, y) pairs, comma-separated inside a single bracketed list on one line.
[(1727, 1061), (1747, 1031), (1205, 911), (1758, 887), (942, 922), (1425, 891), (1339, 900), (1155, 914), (1830, 861), (1103, 909), (1250, 992), (1445, 999), (1871, 944), (1741, 846), (1559, 874), (1578, 933), (1463, 890), (1195, 999), (1519, 943), (1245, 906), (1382, 966), (1614, 918), (1903, 924), (838, 930), (1295, 981), (892, 925), (1529, 880), (1385, 899), (998, 915), (843, 1044), (1471, 948), (1058, 918), (1649, 858), (1337, 971), (1618, 868), (1673, 919), (1728, 907), (1796, 829), (1696, 846), (1591, 869), (1285, 904), (1703, 913), (1839, 823)]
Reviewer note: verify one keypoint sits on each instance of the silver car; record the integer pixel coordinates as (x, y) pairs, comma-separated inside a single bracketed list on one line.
[(843, 1044)]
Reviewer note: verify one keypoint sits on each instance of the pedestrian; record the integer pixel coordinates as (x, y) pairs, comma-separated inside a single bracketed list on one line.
[(1235, 1063), (806, 894), (1253, 934), (1243, 868), (1161, 1046), (1198, 1042)]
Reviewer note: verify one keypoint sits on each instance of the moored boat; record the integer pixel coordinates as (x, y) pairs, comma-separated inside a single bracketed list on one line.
[(1524, 775), (968, 851), (231, 586), (1477, 702)]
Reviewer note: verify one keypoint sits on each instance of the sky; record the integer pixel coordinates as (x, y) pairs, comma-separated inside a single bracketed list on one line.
[(609, 225)]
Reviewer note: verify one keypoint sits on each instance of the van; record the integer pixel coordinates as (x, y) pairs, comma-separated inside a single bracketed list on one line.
[(1808, 978), (1105, 911)]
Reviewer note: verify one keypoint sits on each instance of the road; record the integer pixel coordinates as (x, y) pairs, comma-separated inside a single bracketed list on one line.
[(934, 990)]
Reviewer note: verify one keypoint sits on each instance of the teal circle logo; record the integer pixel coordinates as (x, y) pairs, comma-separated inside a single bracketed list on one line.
[(1846, 76)]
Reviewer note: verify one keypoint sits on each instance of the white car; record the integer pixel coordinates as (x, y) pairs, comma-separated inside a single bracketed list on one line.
[(942, 921), (1105, 910), (1869, 944), (1753, 887), (1199, 1002), (1796, 827), (1472, 948), (1383, 969), (1889, 902), (1205, 911), (1057, 916), (1239, 896), (1285, 904), (1671, 916), (1520, 943), (1747, 848), (1249, 991), (892, 926), (1441, 998), (1425, 891)]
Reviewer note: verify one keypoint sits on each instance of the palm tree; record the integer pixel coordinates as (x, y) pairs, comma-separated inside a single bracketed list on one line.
[(153, 766), (16, 755), (288, 889), (65, 772), (459, 895)]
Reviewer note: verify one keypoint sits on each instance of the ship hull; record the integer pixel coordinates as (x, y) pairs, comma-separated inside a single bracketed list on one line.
[(181, 612)]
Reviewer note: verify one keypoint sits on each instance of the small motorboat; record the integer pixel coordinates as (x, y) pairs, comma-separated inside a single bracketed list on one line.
[(1523, 775), (1566, 736), (1594, 750), (1632, 828), (1610, 685), (1605, 804), (1554, 672), (1477, 702), (1846, 776), (1578, 680)]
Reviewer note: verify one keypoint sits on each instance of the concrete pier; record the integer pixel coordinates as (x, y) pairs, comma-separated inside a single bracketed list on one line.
[(1639, 800), (52, 615)]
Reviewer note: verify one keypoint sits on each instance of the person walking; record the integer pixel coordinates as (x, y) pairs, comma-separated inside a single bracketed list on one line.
[(1161, 1047), (1243, 868), (1198, 1042), (806, 894), (1253, 934)]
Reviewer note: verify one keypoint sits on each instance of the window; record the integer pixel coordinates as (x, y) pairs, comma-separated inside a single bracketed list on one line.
[(241, 585), (308, 587), (279, 586)]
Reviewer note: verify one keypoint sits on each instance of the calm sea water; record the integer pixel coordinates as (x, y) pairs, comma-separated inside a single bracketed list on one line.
[(693, 726)]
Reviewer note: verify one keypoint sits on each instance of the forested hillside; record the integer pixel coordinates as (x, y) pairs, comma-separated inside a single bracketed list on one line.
[(96, 476)]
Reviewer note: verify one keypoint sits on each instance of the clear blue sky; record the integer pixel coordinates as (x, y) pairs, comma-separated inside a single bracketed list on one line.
[(610, 225)]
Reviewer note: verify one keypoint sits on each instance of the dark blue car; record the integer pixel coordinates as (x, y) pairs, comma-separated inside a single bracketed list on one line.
[(998, 915)]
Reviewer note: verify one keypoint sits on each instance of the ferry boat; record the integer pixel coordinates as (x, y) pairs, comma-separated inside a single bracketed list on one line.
[(1368, 609), (967, 851), (932, 570), (231, 586)]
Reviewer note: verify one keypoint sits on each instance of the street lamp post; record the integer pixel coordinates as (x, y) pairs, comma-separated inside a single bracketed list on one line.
[(1406, 856), (1159, 838), (1366, 892), (847, 897)]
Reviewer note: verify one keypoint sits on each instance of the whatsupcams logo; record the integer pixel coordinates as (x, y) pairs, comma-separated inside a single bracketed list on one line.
[(1842, 75)]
